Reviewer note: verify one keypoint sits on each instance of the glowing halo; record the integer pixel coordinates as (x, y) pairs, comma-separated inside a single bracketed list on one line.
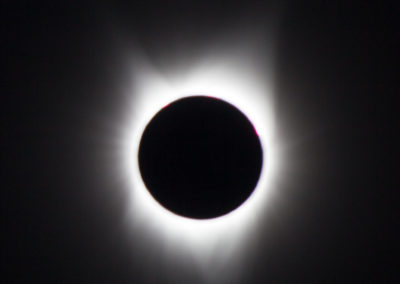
[(238, 81)]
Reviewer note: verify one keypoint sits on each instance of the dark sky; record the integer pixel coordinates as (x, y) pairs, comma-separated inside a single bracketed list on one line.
[(63, 65)]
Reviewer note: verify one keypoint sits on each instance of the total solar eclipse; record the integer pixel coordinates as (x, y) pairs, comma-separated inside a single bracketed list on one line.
[(200, 157)]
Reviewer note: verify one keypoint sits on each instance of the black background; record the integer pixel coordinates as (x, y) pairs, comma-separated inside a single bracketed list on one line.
[(62, 65)]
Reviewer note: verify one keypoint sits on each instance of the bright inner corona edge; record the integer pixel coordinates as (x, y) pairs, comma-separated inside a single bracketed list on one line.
[(240, 81)]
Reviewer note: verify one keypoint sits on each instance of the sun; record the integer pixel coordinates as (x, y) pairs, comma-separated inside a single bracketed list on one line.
[(238, 81)]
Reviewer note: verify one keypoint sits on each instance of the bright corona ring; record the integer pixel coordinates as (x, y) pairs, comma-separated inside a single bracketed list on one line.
[(238, 81)]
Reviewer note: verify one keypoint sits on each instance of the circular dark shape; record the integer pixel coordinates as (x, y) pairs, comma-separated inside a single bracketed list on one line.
[(200, 157)]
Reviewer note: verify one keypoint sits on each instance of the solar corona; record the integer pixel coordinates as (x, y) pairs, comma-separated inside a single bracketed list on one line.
[(198, 154)]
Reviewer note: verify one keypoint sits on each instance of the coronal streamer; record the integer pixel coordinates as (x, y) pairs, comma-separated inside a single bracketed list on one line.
[(245, 82)]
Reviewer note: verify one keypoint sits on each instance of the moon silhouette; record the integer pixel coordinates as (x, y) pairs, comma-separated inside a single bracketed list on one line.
[(200, 157)]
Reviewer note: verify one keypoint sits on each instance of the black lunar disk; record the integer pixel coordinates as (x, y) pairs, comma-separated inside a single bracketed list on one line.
[(200, 157)]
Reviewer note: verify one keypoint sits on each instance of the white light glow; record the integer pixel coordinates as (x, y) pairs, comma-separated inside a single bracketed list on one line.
[(244, 83)]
